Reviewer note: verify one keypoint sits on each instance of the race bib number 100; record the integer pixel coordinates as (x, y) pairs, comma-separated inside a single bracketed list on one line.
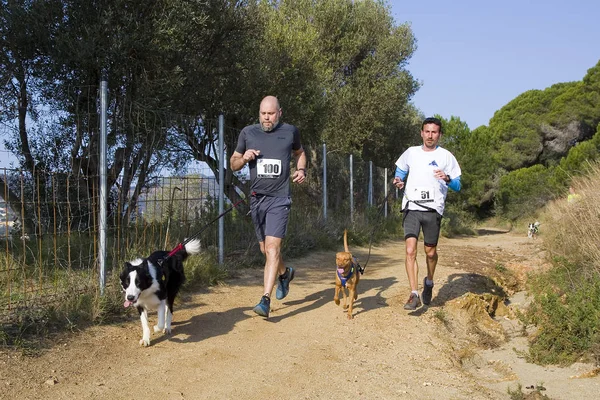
[(268, 168)]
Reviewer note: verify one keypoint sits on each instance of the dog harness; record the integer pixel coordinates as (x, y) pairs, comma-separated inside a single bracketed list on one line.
[(340, 272)]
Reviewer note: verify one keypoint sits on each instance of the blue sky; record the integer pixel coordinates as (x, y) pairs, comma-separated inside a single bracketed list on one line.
[(473, 57)]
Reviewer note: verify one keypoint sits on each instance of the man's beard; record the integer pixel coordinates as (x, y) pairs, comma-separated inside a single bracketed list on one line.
[(267, 128)]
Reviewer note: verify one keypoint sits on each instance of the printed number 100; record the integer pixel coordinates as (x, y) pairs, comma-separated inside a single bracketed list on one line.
[(271, 169)]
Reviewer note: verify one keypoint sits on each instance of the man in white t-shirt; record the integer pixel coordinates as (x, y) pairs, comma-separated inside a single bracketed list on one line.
[(429, 171)]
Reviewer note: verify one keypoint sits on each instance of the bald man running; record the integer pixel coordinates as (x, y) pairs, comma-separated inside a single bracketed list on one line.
[(268, 148)]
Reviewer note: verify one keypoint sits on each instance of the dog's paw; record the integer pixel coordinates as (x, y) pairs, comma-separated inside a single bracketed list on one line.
[(144, 342), (345, 306), (350, 316), (337, 301), (158, 328), (167, 331)]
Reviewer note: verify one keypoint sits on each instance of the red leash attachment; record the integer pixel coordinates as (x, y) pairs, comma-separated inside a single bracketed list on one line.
[(175, 250)]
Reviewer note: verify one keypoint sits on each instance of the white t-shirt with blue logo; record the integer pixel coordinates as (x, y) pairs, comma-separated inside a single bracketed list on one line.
[(422, 187)]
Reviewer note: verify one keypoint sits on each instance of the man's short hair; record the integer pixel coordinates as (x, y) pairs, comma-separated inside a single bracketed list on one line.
[(432, 120)]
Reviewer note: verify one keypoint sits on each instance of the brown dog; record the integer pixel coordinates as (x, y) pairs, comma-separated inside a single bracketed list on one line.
[(346, 276)]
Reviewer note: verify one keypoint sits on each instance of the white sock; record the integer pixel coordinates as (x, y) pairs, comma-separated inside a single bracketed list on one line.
[(428, 282), (415, 292)]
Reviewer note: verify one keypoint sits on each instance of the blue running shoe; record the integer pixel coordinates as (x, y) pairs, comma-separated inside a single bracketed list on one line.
[(263, 307), (283, 286)]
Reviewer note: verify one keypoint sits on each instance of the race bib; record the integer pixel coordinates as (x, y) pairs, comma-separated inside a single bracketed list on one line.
[(421, 194), (268, 168)]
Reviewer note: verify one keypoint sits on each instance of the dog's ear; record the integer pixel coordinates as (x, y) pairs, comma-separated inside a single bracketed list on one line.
[(127, 268)]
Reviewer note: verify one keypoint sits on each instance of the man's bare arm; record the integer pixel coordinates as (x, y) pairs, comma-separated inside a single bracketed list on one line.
[(300, 173), (238, 160)]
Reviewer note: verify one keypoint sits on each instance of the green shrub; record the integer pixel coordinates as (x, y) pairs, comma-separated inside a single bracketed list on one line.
[(203, 270), (566, 311), (457, 221), (524, 191)]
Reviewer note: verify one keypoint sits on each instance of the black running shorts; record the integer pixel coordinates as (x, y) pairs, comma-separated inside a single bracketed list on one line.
[(429, 221)]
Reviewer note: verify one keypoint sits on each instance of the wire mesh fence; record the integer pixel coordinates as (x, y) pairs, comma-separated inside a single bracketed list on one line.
[(162, 188), (51, 231)]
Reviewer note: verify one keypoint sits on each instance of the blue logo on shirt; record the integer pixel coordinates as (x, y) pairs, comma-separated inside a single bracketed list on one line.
[(433, 163)]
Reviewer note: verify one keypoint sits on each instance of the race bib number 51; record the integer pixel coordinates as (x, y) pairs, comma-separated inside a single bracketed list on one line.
[(422, 194), (268, 168)]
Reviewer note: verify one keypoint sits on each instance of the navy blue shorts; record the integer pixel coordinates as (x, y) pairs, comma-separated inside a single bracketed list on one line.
[(270, 215), (429, 221)]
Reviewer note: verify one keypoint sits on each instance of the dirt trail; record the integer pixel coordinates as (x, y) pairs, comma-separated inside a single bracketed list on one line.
[(307, 349)]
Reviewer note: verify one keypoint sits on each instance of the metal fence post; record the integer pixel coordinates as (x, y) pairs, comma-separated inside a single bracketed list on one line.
[(324, 182), (385, 193), (103, 197), (351, 192), (370, 188), (221, 187)]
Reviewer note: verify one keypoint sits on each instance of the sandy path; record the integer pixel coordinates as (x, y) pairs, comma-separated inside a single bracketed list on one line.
[(306, 350)]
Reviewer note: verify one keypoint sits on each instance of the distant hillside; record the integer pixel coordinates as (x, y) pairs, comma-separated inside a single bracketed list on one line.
[(531, 148), (541, 126)]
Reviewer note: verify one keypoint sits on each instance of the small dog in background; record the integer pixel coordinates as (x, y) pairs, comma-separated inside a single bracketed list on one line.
[(533, 229), (346, 277), (152, 284)]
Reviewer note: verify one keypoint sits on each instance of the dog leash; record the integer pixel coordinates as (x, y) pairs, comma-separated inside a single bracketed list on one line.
[(381, 207), (181, 245), (362, 269)]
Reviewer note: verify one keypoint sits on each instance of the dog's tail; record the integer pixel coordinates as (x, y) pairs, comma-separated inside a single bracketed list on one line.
[(192, 247), (346, 240)]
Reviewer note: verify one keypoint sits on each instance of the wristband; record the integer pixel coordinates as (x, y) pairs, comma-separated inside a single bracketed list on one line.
[(302, 169)]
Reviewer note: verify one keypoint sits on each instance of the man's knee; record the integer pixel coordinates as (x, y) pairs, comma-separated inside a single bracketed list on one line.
[(411, 248), (411, 253), (272, 247), (431, 252)]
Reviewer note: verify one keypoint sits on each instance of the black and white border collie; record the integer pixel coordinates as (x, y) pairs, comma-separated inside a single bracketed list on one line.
[(532, 229), (152, 284)]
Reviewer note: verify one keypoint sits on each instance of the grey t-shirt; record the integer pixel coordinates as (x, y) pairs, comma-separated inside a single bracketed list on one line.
[(270, 172)]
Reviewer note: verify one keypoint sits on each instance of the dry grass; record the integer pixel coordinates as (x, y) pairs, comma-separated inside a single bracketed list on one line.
[(572, 229)]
